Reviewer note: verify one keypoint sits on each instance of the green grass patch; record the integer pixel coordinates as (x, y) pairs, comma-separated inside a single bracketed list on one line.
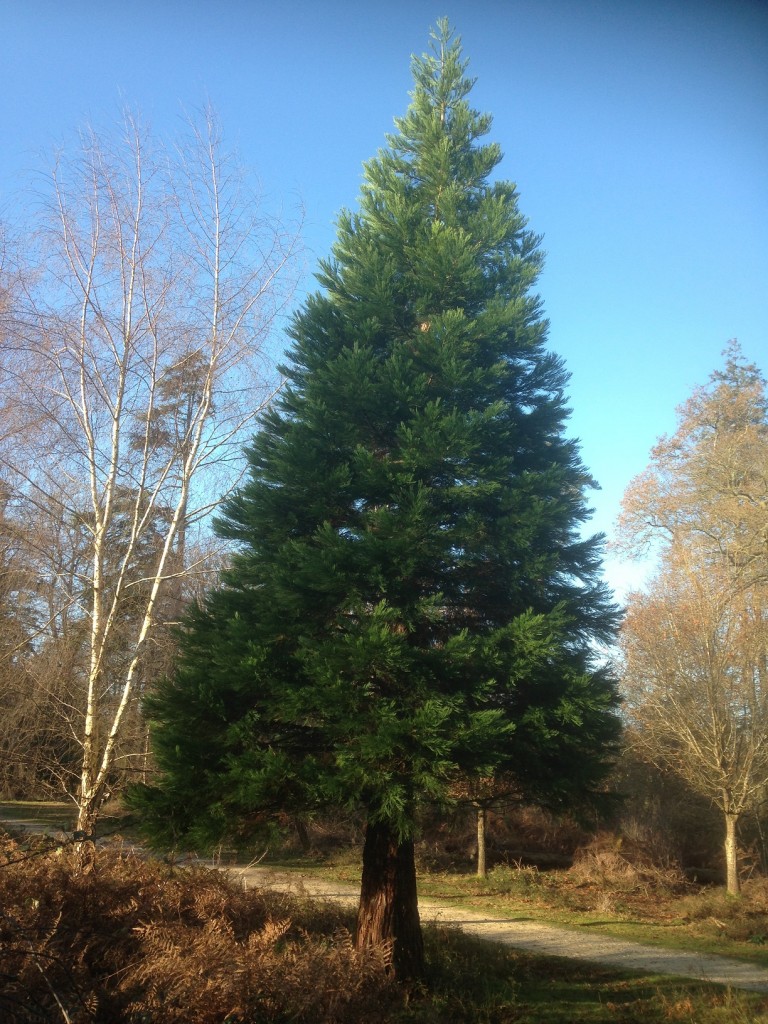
[(701, 920), (473, 981), (51, 813)]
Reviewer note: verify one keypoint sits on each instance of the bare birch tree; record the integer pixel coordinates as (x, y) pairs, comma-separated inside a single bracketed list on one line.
[(136, 363)]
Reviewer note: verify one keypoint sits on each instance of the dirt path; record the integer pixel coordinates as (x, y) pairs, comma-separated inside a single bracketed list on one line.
[(521, 933), (543, 939)]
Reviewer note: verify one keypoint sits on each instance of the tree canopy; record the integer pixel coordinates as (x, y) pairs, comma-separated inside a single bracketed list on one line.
[(134, 317), (695, 643)]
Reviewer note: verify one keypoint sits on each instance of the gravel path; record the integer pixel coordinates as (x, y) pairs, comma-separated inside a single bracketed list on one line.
[(543, 939)]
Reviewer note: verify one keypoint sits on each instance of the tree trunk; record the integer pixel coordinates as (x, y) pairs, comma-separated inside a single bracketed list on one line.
[(482, 868), (303, 833), (85, 846), (389, 909), (731, 863)]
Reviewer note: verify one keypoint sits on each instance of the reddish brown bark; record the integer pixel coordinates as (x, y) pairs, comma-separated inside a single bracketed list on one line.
[(389, 909)]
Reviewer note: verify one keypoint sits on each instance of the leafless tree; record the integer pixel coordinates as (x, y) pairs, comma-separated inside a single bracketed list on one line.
[(695, 644), (134, 363), (696, 677)]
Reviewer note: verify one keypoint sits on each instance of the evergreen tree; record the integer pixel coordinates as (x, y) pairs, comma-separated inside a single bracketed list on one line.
[(411, 603)]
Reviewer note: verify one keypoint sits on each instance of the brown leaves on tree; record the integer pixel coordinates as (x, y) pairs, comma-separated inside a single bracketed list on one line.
[(695, 644)]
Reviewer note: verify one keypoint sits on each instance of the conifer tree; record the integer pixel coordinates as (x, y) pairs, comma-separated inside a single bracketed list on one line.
[(411, 603)]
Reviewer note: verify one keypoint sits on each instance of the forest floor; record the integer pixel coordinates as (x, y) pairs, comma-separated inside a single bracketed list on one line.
[(519, 929)]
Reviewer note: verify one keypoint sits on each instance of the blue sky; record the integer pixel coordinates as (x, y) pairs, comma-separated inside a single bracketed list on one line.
[(636, 130)]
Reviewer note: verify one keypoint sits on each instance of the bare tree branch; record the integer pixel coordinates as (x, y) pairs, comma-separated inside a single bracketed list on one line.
[(135, 368)]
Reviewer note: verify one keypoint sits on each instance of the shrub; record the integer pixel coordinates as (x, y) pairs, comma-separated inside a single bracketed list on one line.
[(617, 861), (134, 941)]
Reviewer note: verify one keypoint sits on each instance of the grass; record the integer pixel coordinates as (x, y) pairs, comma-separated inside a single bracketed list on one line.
[(693, 919), (498, 985), (47, 812), (134, 940), (61, 816)]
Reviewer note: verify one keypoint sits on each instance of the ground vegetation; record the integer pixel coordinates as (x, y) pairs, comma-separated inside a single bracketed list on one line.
[(137, 940)]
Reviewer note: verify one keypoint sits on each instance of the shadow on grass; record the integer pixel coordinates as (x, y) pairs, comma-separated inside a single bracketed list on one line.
[(504, 985)]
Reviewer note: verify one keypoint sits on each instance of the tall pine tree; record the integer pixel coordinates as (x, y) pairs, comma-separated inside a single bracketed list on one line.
[(411, 603)]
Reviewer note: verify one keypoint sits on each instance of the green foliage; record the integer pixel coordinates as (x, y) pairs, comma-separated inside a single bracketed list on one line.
[(411, 602)]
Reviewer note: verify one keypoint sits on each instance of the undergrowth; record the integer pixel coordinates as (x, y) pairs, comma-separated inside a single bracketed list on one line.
[(134, 941)]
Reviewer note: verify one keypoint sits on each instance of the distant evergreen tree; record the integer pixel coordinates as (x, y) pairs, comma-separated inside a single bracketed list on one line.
[(412, 603)]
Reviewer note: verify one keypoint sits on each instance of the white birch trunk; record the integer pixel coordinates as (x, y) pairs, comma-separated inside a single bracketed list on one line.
[(141, 360)]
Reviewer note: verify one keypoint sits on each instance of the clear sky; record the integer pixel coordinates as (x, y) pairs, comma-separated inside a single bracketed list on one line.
[(636, 130)]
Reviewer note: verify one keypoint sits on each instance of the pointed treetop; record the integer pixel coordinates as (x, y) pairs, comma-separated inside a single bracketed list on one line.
[(438, 101)]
